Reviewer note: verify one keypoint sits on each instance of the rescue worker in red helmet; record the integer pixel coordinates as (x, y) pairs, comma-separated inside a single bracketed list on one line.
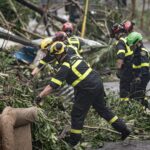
[(128, 26), (68, 28), (72, 39), (89, 92), (124, 58)]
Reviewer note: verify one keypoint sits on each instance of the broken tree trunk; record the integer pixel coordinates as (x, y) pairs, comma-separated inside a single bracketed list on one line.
[(15, 38), (39, 10)]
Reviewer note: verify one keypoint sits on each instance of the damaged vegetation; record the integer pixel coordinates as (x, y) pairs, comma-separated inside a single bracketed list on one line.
[(18, 88)]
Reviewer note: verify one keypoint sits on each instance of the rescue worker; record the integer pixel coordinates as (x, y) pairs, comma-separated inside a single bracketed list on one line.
[(140, 65), (45, 43), (124, 58), (72, 40), (128, 26), (89, 92), (47, 58)]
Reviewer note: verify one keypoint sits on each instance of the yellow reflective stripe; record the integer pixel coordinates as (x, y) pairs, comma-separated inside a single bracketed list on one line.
[(74, 40), (113, 119), (66, 64), (81, 51), (77, 73), (136, 67), (75, 49), (123, 39), (144, 64), (56, 81), (120, 51), (129, 51), (42, 62), (139, 66), (76, 131), (82, 77), (124, 99), (144, 49)]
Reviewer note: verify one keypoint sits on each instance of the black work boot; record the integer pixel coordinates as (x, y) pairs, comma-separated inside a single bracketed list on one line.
[(121, 127), (125, 134)]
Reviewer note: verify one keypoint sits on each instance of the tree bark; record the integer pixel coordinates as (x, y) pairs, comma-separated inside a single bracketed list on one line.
[(39, 10), (133, 9), (15, 38), (142, 15)]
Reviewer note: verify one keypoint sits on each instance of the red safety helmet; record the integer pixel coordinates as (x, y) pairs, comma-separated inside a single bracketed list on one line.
[(68, 28), (60, 36), (116, 28), (128, 26)]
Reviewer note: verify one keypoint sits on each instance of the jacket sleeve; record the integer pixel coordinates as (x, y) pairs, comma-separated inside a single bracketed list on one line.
[(121, 50), (144, 61), (61, 76), (45, 60)]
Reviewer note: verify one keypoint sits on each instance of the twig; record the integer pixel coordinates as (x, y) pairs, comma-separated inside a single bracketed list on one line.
[(15, 11), (40, 11), (101, 128), (3, 75), (3, 19)]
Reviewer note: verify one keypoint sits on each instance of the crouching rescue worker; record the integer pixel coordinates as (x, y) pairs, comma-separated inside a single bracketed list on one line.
[(140, 65), (89, 92), (48, 58)]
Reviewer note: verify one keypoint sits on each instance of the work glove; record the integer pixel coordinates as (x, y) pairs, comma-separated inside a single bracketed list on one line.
[(137, 80), (38, 100), (118, 73)]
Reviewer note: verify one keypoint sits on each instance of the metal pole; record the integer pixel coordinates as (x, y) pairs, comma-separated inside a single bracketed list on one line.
[(85, 18)]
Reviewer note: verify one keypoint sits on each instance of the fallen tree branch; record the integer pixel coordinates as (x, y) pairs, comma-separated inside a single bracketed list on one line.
[(2, 17), (17, 15), (18, 39), (39, 10), (25, 30), (101, 128)]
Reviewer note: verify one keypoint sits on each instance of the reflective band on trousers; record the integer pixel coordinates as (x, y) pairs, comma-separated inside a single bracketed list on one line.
[(82, 77), (129, 51), (42, 62), (113, 119), (56, 81), (76, 131), (124, 99), (140, 66)]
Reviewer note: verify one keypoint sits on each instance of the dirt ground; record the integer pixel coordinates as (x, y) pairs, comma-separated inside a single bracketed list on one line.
[(129, 145), (114, 87)]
